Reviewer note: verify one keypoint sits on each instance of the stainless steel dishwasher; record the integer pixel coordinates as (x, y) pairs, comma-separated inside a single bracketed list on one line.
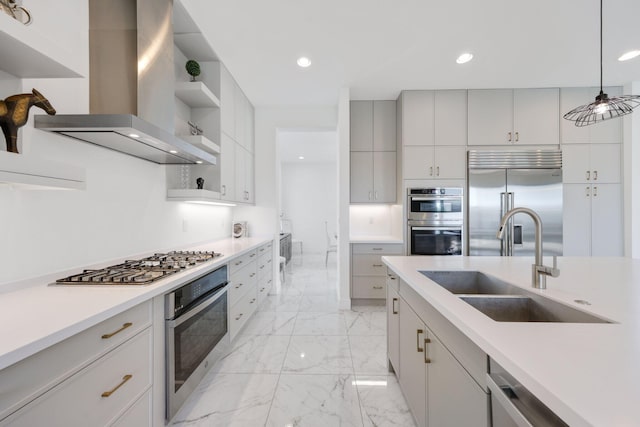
[(512, 405)]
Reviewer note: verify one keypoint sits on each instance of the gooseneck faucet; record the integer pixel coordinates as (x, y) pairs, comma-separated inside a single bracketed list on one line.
[(539, 270)]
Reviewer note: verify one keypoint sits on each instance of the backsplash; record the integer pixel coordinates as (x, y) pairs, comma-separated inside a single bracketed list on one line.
[(376, 220)]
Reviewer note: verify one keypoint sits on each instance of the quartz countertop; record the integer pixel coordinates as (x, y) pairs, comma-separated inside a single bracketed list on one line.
[(376, 239), (35, 315), (588, 374)]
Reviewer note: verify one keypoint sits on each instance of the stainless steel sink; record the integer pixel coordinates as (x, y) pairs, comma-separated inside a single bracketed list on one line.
[(504, 302), (471, 282)]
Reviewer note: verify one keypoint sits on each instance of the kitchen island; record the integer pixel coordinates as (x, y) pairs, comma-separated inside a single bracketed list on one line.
[(587, 373)]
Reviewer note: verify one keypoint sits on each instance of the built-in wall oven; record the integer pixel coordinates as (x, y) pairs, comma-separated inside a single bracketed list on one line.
[(434, 221), (197, 333)]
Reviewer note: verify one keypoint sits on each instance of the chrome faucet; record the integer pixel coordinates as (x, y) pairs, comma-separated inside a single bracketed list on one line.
[(539, 271)]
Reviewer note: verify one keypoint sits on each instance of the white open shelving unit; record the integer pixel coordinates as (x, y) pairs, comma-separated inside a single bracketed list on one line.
[(196, 95)]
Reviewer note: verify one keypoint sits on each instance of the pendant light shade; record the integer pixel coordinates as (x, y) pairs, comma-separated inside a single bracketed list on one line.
[(603, 108)]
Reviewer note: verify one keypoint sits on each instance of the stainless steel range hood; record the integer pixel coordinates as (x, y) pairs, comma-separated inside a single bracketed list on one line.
[(132, 100)]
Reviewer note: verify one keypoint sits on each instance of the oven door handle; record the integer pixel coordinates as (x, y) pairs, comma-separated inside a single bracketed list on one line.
[(453, 228), (428, 199), (197, 309)]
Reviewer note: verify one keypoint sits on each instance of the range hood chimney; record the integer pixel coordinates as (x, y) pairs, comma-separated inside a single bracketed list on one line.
[(132, 105)]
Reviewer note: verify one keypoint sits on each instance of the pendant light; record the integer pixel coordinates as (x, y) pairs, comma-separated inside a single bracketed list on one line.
[(603, 108)]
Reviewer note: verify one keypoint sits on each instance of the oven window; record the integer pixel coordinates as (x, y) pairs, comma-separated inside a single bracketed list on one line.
[(436, 241), (436, 206), (195, 338)]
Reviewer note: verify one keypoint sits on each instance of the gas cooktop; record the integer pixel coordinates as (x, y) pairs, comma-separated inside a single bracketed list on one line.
[(141, 272)]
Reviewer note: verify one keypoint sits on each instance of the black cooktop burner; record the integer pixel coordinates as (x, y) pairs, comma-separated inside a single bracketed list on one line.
[(142, 271)]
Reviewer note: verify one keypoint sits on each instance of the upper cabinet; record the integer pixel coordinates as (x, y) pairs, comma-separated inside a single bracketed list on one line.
[(514, 117), (606, 132), (373, 126), (417, 117)]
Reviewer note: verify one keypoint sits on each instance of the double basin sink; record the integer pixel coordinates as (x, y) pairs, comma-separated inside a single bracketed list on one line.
[(504, 302)]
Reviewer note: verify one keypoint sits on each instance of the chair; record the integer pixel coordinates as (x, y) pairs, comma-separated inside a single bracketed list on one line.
[(330, 246), (287, 227), (283, 264)]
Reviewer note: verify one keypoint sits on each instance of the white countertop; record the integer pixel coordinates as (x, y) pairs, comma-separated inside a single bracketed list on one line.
[(375, 239), (588, 374), (35, 315)]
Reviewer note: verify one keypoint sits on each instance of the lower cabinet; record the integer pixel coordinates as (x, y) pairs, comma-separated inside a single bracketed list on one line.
[(393, 323), (369, 275), (437, 387)]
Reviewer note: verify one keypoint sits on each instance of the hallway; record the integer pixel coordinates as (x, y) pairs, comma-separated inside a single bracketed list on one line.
[(300, 361)]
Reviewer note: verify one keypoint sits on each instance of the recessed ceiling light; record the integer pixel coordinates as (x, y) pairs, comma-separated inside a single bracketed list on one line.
[(173, 151), (199, 162), (465, 57), (134, 135), (304, 62), (301, 157), (629, 55)]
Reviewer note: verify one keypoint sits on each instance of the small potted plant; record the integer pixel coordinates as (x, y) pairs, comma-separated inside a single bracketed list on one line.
[(193, 68)]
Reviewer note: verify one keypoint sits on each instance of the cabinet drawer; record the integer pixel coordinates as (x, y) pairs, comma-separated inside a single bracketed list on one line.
[(264, 286), (393, 281), (382, 248), (31, 377), (125, 373), (242, 311), (265, 249), (369, 287), (240, 262), (241, 281), (265, 266), (139, 415), (368, 265)]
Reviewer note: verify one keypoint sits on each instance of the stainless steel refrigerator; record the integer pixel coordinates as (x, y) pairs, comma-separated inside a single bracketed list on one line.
[(501, 180)]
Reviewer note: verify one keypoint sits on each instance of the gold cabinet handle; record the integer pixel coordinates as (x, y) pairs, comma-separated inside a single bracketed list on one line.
[(124, 380), (418, 332), (224, 190), (378, 265), (426, 358), (509, 136), (586, 192), (252, 301), (377, 287), (238, 285), (239, 316), (377, 249), (595, 191), (393, 305), (262, 266), (588, 175), (430, 170), (595, 175), (238, 262), (252, 255), (517, 136), (437, 170), (124, 326), (252, 274)]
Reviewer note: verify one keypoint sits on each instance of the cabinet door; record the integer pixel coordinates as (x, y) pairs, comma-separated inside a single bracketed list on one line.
[(227, 168), (606, 220), (393, 328), (361, 177), (571, 98), (605, 163), (575, 164), (576, 220), (536, 116), (417, 117), (490, 117), (450, 117), (361, 123), (240, 109), (417, 162), (447, 378), (384, 125), (412, 362), (608, 131), (240, 174), (227, 102), (250, 127), (249, 175), (450, 162), (384, 176)]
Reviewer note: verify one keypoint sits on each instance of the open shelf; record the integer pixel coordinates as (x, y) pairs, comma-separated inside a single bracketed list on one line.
[(196, 95), (201, 142), (26, 53), (196, 196), (195, 46), (31, 173)]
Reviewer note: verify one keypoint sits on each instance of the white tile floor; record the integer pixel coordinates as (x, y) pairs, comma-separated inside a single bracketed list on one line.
[(300, 361)]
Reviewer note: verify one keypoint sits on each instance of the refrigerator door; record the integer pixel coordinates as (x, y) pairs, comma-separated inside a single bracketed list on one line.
[(487, 195), (540, 190)]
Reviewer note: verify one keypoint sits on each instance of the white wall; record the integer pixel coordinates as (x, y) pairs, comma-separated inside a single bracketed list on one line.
[(631, 180), (344, 250), (308, 200), (123, 211)]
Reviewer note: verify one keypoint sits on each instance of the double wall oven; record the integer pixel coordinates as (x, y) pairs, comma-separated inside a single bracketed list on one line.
[(434, 221)]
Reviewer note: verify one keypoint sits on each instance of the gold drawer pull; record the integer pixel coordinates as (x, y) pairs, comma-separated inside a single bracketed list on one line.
[(238, 285), (378, 265), (393, 306), (418, 333), (125, 326), (426, 358), (252, 301), (124, 380), (252, 255), (377, 249), (377, 287), (238, 263), (252, 274), (239, 316)]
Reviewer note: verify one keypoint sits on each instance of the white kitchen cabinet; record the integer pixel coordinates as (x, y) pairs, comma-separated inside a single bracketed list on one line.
[(417, 117), (606, 132), (591, 163), (244, 178), (243, 290), (139, 415), (393, 323), (513, 116), (373, 126), (413, 379), (227, 168), (373, 177), (592, 220), (450, 117), (368, 272), (227, 102), (439, 162)]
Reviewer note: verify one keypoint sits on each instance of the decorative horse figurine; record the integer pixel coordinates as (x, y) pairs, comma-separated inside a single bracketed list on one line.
[(14, 112)]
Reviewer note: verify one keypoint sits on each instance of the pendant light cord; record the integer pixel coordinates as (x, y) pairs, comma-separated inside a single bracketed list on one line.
[(601, 91)]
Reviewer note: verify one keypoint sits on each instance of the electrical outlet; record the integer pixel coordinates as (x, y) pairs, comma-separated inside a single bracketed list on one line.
[(185, 226), (370, 220)]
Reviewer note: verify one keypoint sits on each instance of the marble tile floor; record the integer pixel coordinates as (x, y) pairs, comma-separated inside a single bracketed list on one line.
[(302, 362)]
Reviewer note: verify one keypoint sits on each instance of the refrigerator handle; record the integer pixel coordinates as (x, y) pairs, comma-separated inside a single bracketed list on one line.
[(503, 210), (510, 231)]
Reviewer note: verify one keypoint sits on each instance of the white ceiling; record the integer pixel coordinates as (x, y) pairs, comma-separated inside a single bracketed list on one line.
[(314, 146), (377, 48)]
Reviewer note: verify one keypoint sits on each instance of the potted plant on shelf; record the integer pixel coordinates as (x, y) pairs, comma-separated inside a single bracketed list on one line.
[(193, 68)]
